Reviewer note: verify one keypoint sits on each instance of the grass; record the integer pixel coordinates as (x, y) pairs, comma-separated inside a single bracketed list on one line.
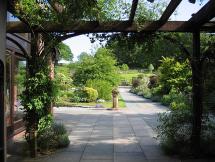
[(128, 75), (107, 104)]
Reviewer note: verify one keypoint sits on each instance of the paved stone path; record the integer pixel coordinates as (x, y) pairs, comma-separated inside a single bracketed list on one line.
[(100, 135)]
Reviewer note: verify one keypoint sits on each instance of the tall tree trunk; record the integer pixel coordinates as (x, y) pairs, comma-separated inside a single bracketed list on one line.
[(197, 79)]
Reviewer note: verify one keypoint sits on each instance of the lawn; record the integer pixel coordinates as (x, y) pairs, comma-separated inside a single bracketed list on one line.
[(106, 104), (128, 75)]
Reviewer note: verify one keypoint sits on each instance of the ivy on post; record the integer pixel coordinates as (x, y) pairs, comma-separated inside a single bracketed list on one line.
[(40, 90), (30, 103), (197, 92)]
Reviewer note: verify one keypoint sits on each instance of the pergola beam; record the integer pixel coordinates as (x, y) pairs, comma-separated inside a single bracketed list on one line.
[(204, 15), (133, 11), (113, 26), (165, 16), (169, 10)]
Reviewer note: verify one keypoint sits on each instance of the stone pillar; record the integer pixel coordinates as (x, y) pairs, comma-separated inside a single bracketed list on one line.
[(3, 18), (115, 94)]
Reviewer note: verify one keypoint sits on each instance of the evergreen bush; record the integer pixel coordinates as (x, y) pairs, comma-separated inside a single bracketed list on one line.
[(84, 94), (91, 94), (103, 87), (151, 68)]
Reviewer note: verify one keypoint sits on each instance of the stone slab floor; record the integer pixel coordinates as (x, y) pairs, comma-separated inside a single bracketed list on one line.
[(101, 135)]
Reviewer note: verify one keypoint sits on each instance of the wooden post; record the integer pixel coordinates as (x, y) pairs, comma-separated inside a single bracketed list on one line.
[(197, 92), (3, 18), (51, 74)]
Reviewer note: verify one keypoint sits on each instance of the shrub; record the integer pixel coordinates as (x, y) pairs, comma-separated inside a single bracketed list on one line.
[(52, 137), (91, 94), (166, 100), (174, 74), (174, 131), (64, 81), (135, 82), (208, 139), (147, 93), (157, 91), (125, 83), (77, 95), (84, 94), (179, 105), (151, 68), (155, 98), (176, 100), (140, 93), (61, 135), (140, 87), (66, 95), (124, 67), (140, 76), (103, 87), (153, 80)]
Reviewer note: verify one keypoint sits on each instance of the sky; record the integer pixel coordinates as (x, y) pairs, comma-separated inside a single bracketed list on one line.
[(82, 43)]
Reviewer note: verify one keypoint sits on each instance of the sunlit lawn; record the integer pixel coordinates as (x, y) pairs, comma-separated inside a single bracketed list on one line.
[(128, 75), (106, 104)]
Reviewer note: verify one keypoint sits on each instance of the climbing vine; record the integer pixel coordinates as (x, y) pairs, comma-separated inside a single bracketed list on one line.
[(39, 93)]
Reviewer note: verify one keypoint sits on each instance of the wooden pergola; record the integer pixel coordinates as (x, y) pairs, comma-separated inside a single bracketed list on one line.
[(199, 22)]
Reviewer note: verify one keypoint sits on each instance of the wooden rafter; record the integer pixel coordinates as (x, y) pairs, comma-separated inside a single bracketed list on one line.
[(165, 16), (133, 10), (204, 15), (113, 26), (199, 20), (169, 10)]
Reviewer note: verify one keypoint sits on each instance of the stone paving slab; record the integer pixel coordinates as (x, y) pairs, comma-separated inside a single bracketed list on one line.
[(96, 160), (97, 156), (129, 157), (100, 135)]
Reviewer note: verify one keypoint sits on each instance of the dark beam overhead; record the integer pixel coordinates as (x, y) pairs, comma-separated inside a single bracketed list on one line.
[(133, 10), (113, 26), (204, 15), (169, 10), (165, 16)]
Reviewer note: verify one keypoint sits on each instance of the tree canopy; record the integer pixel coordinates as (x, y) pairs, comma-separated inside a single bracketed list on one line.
[(65, 52), (100, 66)]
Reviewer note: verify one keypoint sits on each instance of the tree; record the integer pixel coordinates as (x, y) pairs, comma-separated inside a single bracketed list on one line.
[(124, 67), (100, 66), (82, 56), (140, 50), (65, 52)]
